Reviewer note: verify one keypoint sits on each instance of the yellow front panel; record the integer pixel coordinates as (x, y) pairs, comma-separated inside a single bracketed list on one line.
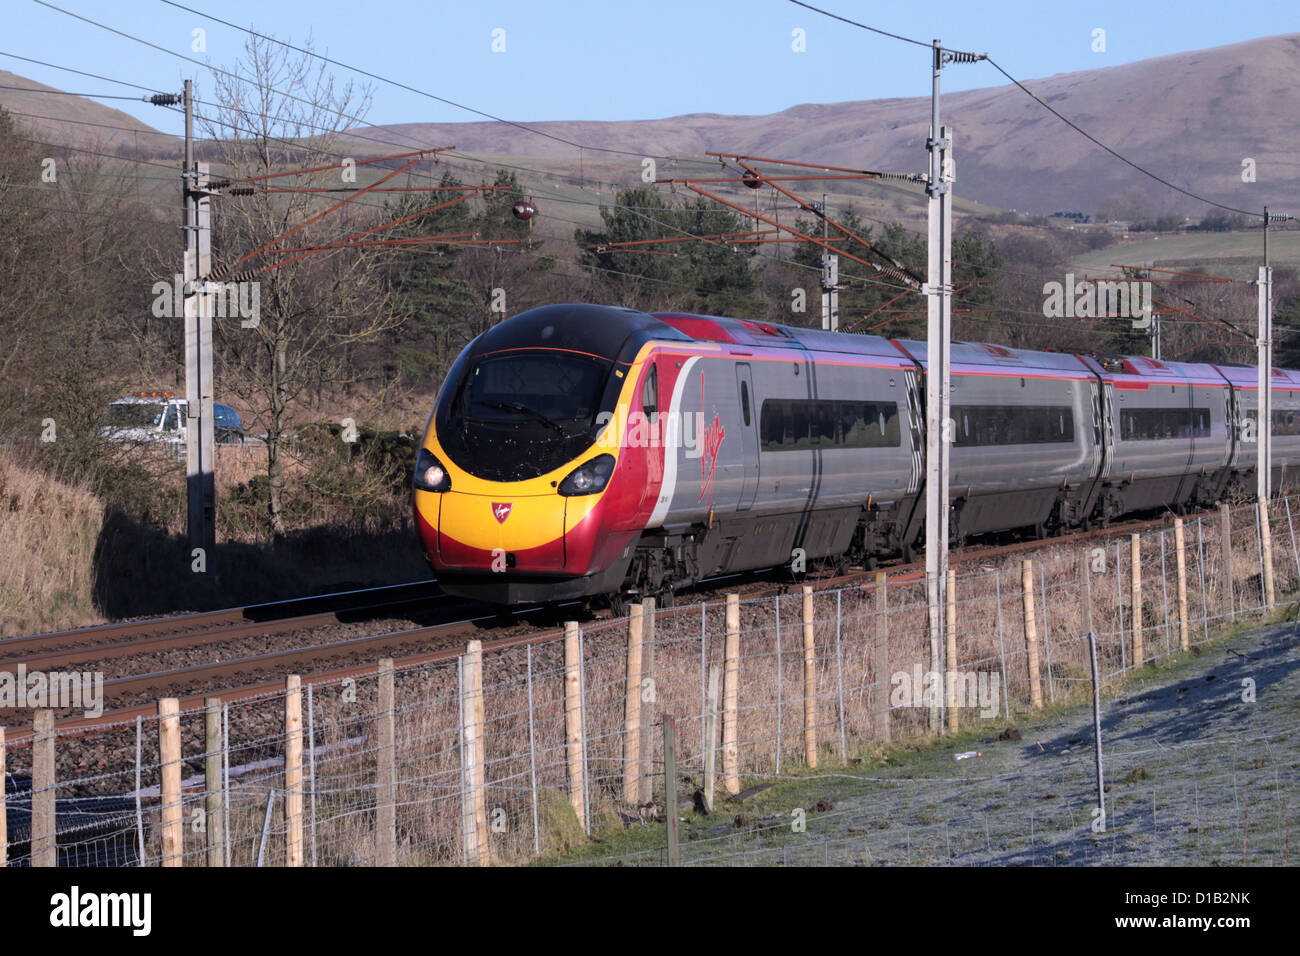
[(532, 521)]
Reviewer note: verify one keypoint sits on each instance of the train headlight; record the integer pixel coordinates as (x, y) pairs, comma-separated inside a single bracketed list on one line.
[(589, 478), (430, 475)]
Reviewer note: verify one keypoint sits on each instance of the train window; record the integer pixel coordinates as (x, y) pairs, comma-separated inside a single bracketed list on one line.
[(525, 387), (1160, 424), (1285, 422), (650, 392), (744, 402), (791, 424), (1013, 424)]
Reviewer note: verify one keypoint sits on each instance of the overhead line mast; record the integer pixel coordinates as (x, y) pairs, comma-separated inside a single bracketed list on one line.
[(1264, 341), (938, 349)]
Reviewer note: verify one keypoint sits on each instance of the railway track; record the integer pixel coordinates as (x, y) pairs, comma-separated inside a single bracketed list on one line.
[(127, 638), (244, 677)]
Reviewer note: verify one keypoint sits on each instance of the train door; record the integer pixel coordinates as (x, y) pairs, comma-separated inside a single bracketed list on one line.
[(1234, 420), (1108, 428), (748, 434), (916, 416), (1098, 435)]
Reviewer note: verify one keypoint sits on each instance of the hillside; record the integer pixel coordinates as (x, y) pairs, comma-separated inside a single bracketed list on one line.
[(1191, 117), (75, 120)]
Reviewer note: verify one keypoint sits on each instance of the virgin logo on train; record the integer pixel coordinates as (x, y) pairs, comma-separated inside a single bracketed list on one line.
[(713, 436), (501, 511)]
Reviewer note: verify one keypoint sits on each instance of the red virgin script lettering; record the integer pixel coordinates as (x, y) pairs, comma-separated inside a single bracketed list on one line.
[(713, 436)]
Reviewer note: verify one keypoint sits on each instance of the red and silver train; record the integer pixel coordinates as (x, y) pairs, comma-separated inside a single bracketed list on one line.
[(584, 450)]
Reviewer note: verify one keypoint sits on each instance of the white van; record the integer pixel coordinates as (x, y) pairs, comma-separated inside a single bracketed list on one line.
[(161, 417)]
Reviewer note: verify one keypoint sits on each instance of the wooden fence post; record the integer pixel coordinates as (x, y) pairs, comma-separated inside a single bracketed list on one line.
[(1266, 549), (632, 707), (4, 819), (731, 697), (575, 746), (1031, 633), (880, 660), (1135, 599), (1180, 545), (292, 771), (44, 851), (711, 738), (1225, 549), (472, 715), (386, 768), (670, 789), (169, 756), (215, 837), (950, 651), (648, 700), (809, 681)]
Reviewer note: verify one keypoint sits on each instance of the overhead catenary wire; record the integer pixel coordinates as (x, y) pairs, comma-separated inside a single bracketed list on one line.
[(1055, 112), (308, 146), (1122, 158), (962, 311), (349, 134), (68, 69), (821, 11), (409, 88), (93, 96), (224, 121)]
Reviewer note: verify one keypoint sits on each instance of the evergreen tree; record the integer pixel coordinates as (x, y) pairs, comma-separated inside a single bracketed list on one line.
[(698, 276)]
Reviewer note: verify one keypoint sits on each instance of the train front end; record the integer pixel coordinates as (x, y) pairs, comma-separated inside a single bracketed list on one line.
[(522, 483)]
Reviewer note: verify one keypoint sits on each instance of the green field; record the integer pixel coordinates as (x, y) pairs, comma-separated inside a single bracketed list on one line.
[(1237, 255)]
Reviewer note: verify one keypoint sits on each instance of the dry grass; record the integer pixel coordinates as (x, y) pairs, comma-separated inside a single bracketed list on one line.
[(49, 529), (70, 559)]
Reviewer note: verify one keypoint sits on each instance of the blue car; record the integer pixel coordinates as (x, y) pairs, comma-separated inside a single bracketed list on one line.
[(229, 429)]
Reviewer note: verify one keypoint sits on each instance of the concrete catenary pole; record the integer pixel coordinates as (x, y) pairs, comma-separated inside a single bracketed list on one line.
[(830, 281), (938, 332), (200, 435)]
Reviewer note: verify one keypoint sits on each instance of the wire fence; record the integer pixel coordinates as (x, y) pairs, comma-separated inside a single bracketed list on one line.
[(526, 753)]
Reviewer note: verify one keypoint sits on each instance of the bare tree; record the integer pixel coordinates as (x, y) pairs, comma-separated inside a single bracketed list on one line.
[(281, 111), (73, 277)]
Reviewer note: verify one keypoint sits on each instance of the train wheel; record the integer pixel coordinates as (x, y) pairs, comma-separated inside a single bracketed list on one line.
[(617, 603)]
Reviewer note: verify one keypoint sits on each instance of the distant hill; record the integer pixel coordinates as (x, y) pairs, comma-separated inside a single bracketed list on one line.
[(76, 121), (1190, 117)]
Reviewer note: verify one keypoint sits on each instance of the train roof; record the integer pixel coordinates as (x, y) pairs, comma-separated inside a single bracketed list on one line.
[(758, 334), (607, 327), (1247, 377), (1140, 371), (603, 330), (999, 356)]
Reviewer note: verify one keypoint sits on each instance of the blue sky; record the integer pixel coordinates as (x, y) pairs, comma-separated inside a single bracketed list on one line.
[(617, 60)]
